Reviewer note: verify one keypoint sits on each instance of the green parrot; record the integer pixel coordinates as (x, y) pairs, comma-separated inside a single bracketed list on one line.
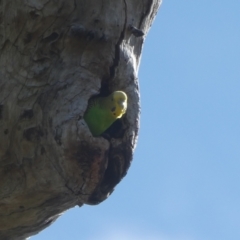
[(102, 112)]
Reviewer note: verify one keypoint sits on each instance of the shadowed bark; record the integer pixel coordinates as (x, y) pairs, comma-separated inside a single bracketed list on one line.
[(55, 56)]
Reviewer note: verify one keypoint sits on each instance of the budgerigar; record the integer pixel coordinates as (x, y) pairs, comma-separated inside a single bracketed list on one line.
[(102, 112)]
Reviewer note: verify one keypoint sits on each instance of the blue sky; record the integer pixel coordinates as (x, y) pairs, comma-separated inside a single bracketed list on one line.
[(184, 182)]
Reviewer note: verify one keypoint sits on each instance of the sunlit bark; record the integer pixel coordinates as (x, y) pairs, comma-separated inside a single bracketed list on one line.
[(56, 55)]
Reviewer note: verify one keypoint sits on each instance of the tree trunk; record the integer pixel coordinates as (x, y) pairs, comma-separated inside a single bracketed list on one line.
[(55, 56)]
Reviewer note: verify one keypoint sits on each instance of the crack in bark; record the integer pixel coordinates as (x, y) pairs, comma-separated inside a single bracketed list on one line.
[(99, 194), (118, 45)]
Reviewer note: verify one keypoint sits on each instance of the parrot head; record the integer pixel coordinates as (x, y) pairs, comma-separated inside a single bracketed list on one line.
[(119, 99)]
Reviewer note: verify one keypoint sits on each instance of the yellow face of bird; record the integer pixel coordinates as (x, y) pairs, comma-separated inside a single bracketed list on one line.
[(120, 103)]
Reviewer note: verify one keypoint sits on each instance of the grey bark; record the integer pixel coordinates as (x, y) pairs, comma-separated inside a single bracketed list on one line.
[(54, 56)]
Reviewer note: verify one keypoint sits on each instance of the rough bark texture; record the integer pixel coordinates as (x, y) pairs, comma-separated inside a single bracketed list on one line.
[(55, 56)]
